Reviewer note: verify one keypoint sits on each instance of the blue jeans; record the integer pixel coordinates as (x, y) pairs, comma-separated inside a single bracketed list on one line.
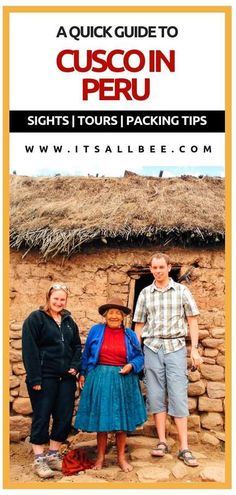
[(166, 381)]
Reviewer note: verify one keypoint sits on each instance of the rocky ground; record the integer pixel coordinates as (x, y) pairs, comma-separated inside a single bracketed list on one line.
[(146, 468)]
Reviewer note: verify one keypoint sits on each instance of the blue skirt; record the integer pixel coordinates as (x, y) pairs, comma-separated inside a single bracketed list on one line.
[(110, 401)]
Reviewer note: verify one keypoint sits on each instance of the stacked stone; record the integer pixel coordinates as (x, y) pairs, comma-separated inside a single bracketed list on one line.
[(20, 419), (206, 392), (206, 388), (94, 278)]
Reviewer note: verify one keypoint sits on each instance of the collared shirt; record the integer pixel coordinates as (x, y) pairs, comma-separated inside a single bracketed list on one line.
[(164, 312)]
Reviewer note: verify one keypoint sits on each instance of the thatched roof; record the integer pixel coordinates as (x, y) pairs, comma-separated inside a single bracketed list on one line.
[(64, 214)]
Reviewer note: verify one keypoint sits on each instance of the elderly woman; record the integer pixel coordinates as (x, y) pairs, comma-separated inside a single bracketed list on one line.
[(111, 400), (51, 355)]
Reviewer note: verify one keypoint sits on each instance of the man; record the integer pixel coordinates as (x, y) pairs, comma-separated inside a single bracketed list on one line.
[(163, 313)]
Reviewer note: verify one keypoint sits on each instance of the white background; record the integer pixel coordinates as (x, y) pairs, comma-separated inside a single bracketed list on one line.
[(37, 84), (113, 164)]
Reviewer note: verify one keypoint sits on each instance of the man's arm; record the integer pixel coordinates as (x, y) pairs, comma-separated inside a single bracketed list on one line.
[(138, 330), (193, 329)]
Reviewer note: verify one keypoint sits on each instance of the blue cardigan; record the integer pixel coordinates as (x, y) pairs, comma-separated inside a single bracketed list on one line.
[(93, 344)]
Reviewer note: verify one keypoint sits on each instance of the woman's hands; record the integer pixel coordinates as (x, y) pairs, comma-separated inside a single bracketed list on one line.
[(72, 371), (37, 387), (81, 382), (126, 369)]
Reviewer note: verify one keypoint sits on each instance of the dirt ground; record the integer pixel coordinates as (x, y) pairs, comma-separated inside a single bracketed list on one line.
[(146, 468)]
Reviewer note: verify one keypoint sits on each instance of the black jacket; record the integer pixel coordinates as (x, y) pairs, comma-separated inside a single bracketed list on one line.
[(49, 351)]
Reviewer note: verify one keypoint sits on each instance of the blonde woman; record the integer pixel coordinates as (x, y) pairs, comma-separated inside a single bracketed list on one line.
[(51, 353)]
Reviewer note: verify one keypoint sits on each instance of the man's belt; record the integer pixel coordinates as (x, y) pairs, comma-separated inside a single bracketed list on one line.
[(168, 338)]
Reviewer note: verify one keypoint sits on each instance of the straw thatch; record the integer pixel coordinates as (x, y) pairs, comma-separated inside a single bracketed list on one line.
[(64, 214)]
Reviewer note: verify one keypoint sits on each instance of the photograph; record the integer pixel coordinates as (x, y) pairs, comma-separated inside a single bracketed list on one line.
[(117, 247)]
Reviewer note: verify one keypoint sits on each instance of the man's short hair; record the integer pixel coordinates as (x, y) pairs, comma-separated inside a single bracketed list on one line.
[(158, 256)]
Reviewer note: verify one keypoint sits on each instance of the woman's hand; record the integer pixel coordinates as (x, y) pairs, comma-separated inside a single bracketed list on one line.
[(126, 369), (37, 387), (81, 382), (72, 371)]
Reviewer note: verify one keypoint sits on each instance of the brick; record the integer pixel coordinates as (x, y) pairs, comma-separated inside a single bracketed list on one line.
[(210, 352), (211, 342), (194, 422), (212, 420), (218, 333), (196, 388), (212, 372), (210, 405), (192, 404), (22, 406), (216, 390), (14, 381), (207, 438), (15, 356), (220, 360)]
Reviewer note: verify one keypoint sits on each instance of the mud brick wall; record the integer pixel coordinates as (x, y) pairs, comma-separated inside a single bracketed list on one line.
[(95, 276)]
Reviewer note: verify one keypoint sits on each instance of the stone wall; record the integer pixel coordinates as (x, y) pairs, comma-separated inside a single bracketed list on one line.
[(95, 276)]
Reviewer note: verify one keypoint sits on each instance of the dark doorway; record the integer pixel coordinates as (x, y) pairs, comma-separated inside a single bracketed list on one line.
[(146, 279), (142, 282)]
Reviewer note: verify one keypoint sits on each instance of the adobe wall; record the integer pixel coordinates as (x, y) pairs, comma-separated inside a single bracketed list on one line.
[(95, 276)]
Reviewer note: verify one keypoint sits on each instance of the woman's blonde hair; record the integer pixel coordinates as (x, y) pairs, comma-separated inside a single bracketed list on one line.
[(53, 287)]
